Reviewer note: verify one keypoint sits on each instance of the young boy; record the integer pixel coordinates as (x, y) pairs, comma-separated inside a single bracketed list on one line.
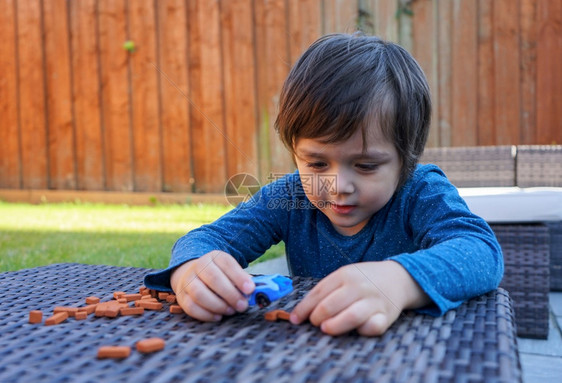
[(384, 233)]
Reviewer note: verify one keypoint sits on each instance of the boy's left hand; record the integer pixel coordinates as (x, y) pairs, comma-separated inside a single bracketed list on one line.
[(367, 296)]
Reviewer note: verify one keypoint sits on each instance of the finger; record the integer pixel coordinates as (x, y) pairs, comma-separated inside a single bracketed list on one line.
[(337, 301), (303, 310), (199, 292), (241, 279), (215, 275), (376, 325), (195, 311), (351, 318)]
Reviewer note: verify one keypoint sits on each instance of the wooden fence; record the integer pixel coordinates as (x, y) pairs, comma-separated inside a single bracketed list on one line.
[(194, 102)]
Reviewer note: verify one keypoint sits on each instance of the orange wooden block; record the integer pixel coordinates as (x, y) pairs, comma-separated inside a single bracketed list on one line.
[(283, 315), (100, 309), (171, 298), (118, 294), (271, 315), (70, 310), (114, 352), (149, 305), (132, 311), (274, 315), (176, 309), (112, 311), (88, 309), (92, 300), (132, 297), (162, 296), (35, 316), (150, 345), (56, 318), (80, 315), (103, 307)]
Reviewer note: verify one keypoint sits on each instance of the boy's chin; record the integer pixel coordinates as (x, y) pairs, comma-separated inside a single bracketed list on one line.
[(346, 226)]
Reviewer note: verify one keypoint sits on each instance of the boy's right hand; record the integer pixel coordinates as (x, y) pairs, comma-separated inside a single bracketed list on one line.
[(212, 286)]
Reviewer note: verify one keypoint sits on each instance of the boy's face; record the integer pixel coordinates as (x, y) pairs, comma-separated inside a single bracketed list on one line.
[(348, 184)]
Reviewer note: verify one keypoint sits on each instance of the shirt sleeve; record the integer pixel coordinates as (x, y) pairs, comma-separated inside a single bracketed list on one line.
[(459, 256), (245, 232)]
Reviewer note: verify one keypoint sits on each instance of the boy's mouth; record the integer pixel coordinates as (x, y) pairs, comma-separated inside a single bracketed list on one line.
[(342, 209)]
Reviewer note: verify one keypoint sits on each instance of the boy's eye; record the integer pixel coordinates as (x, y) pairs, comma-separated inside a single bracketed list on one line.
[(367, 167), (316, 165)]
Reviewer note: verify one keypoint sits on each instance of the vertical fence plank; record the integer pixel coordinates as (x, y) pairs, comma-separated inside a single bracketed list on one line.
[(385, 19), (196, 118), (486, 100), (10, 165), (144, 97), (464, 73), (209, 135), (86, 95), (549, 75), (59, 97), (528, 41), (339, 16), (424, 50), (115, 95), (506, 76), (444, 111), (240, 87), (329, 16), (273, 64), (305, 26), (174, 93), (31, 80)]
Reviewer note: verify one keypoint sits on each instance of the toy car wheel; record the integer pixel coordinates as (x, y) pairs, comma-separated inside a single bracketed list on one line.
[(262, 300)]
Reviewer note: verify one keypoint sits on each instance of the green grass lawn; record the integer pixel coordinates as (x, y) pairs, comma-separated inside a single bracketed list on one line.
[(119, 235)]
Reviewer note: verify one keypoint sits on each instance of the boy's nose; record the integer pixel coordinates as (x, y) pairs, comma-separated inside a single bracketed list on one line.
[(344, 183)]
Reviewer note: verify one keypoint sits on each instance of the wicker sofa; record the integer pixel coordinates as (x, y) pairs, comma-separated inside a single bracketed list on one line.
[(492, 178)]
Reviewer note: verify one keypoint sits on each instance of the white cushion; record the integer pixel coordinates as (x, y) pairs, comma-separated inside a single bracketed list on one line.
[(514, 204)]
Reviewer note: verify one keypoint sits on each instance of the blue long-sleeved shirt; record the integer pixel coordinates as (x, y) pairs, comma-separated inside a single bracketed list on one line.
[(426, 227)]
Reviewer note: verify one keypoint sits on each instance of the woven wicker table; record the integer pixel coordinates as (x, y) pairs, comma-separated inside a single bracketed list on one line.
[(473, 343)]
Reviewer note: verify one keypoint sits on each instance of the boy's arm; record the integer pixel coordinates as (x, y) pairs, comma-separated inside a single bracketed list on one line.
[(459, 256), (245, 233)]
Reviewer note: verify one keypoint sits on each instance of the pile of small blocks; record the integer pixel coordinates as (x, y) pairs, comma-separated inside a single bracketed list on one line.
[(145, 299), (120, 305)]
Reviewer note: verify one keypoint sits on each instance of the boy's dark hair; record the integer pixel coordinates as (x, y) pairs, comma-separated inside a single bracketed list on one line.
[(344, 82)]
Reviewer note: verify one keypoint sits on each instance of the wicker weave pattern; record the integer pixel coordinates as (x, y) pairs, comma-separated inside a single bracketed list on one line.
[(555, 255), (526, 255), (474, 166), (542, 166), (539, 165), (475, 342)]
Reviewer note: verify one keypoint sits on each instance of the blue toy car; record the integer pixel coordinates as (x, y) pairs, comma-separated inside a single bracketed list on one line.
[(269, 288)]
